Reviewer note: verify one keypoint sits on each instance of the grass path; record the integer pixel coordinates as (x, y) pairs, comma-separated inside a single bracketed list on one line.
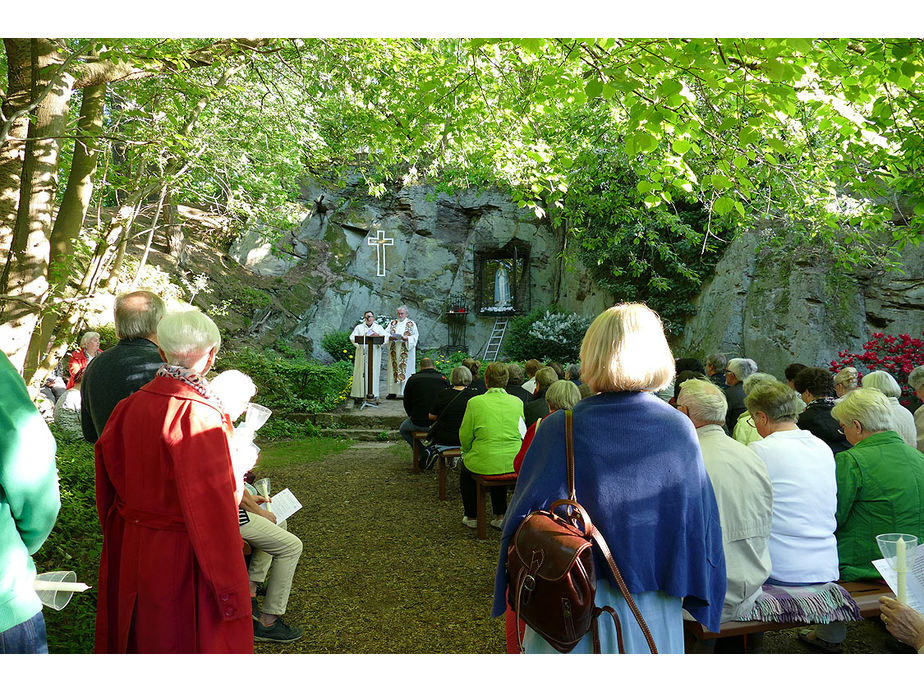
[(387, 567)]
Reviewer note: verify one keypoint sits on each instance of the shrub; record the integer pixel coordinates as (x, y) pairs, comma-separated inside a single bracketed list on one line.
[(444, 363), (74, 544), (547, 336), (288, 385), (338, 345), (897, 355)]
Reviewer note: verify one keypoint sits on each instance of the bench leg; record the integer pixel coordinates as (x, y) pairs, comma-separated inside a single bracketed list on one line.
[(482, 520), (441, 462), (415, 462)]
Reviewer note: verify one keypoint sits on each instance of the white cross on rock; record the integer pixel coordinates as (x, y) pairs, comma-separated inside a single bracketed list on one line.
[(380, 242)]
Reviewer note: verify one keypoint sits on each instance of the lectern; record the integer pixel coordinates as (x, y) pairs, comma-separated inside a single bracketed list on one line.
[(368, 342)]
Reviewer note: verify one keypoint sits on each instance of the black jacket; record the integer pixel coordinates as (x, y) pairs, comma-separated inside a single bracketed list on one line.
[(817, 420), (734, 395), (420, 393), (111, 376), (449, 409), (535, 409)]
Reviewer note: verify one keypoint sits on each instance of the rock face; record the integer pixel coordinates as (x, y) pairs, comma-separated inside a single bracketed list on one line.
[(430, 254), (775, 305), (779, 306)]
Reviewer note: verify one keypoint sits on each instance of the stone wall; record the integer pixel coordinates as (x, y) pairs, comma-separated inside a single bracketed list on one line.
[(779, 306), (434, 236)]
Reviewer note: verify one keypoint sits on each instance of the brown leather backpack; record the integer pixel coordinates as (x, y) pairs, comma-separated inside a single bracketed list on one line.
[(551, 577)]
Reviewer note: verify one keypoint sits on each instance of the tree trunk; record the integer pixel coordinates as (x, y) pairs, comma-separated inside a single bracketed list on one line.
[(69, 221), (12, 151), (26, 271), (150, 238)]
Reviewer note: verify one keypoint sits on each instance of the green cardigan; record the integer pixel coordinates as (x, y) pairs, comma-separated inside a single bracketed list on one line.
[(492, 432), (29, 499), (880, 489)]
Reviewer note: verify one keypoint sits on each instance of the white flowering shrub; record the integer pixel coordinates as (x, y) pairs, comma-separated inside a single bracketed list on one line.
[(548, 336)]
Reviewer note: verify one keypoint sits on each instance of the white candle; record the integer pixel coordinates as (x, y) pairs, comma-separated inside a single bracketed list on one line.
[(900, 567)]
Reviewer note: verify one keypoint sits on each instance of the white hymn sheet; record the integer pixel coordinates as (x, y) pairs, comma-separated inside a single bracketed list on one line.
[(285, 504), (915, 577)]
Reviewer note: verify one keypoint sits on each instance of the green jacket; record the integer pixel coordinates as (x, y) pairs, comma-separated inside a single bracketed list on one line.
[(880, 489), (29, 500), (492, 432)]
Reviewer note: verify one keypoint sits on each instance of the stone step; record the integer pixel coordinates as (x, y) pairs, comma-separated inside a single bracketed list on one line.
[(366, 419), (363, 434)]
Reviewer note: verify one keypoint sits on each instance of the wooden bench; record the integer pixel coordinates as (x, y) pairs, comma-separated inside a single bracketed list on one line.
[(441, 461), (416, 438), (482, 482), (865, 594)]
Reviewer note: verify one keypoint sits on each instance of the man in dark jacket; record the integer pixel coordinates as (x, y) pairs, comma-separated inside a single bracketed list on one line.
[(419, 395), (715, 370), (538, 407), (514, 386), (120, 371)]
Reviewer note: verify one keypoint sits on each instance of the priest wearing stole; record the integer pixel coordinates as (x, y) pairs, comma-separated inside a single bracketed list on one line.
[(401, 352), (368, 327)]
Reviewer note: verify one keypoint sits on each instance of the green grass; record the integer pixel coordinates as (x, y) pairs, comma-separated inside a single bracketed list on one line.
[(277, 454)]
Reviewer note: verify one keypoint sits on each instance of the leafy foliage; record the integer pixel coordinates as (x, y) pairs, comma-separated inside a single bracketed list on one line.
[(897, 355), (290, 385), (74, 544), (338, 345)]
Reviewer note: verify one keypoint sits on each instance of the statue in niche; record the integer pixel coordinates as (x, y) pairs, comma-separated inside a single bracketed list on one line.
[(501, 287)]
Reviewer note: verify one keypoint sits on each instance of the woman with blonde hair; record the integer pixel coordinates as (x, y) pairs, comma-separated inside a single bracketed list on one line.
[(846, 380), (639, 474)]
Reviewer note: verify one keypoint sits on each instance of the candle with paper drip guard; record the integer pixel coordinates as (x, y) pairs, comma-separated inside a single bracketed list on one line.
[(901, 569), (896, 548)]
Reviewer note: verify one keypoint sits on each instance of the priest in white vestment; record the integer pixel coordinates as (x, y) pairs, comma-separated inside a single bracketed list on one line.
[(400, 352), (368, 327)]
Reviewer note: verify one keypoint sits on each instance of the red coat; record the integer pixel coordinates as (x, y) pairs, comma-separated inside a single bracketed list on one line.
[(77, 363), (172, 577)]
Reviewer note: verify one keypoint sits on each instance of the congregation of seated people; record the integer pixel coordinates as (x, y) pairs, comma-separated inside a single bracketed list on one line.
[(799, 475)]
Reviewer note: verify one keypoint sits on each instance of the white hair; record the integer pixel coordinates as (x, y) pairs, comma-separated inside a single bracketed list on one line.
[(868, 406), (884, 382), (705, 401), (754, 379), (742, 368), (86, 337), (235, 390), (916, 378), (186, 336)]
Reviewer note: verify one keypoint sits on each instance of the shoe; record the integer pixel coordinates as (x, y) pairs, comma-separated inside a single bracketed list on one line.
[(391, 397), (497, 524), (808, 636), (254, 609), (471, 523), (278, 632)]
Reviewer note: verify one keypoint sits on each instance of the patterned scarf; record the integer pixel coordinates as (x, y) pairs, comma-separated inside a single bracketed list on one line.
[(195, 380), (399, 360)]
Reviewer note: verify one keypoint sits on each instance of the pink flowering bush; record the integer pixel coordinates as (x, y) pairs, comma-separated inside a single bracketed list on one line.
[(897, 355)]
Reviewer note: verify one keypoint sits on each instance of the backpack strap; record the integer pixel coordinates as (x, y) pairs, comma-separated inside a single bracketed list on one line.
[(604, 549)]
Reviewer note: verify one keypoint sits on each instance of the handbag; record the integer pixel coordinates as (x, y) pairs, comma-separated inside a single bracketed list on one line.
[(551, 576)]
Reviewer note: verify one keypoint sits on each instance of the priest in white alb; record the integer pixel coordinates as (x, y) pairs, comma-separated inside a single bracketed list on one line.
[(367, 328), (400, 352)]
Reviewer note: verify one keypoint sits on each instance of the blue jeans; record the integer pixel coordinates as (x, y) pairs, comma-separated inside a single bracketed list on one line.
[(405, 430), (26, 638)]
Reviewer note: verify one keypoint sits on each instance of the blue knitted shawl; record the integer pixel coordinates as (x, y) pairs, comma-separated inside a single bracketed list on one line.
[(639, 474)]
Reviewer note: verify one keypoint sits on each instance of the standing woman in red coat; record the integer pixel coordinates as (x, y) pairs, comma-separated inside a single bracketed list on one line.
[(172, 577)]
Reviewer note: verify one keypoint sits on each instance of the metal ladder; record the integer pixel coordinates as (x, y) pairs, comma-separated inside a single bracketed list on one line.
[(492, 348)]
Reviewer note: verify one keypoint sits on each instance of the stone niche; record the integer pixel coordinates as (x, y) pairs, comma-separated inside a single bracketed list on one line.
[(501, 279)]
